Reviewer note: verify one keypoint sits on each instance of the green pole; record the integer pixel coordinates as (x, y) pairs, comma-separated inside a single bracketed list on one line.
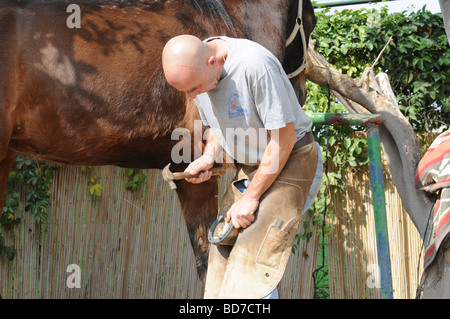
[(371, 122), (379, 207)]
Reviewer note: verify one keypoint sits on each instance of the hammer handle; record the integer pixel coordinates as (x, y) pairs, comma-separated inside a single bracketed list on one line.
[(182, 175)]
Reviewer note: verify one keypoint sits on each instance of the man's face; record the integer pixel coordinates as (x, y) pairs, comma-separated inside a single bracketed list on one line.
[(201, 82), (195, 81)]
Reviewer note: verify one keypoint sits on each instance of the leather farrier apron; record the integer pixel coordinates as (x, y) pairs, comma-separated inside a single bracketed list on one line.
[(254, 266)]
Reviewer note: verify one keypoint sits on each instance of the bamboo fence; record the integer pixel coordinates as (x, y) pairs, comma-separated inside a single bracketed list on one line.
[(135, 244), (351, 247)]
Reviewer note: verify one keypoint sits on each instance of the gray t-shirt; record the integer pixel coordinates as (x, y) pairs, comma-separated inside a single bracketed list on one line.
[(252, 96)]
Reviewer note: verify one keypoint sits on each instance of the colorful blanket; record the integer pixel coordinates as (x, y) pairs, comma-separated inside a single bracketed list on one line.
[(433, 175)]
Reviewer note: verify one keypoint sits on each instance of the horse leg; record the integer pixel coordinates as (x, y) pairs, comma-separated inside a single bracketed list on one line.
[(199, 206)]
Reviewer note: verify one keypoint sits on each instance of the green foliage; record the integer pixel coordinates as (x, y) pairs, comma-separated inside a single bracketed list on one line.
[(320, 275), (9, 252), (417, 63), (95, 189), (38, 178), (9, 219), (136, 179)]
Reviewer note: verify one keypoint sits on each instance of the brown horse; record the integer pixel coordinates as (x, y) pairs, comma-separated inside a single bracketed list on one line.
[(96, 95)]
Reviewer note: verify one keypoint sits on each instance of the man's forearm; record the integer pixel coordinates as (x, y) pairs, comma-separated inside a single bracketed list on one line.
[(275, 157), (212, 147), (202, 164)]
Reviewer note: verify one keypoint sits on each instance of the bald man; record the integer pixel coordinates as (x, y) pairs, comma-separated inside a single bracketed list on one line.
[(240, 87)]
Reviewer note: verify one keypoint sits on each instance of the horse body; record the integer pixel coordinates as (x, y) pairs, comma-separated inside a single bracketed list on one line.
[(96, 95)]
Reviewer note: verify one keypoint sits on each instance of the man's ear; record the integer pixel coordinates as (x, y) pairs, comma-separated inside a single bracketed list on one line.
[(212, 62)]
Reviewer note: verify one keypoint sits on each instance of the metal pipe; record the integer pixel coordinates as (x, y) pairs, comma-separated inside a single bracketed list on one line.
[(342, 119), (332, 3), (371, 122), (379, 208)]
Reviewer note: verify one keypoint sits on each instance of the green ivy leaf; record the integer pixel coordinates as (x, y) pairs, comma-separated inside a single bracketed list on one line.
[(96, 189), (347, 142), (129, 171)]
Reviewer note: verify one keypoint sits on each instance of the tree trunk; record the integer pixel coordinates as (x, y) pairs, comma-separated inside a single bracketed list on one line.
[(373, 94)]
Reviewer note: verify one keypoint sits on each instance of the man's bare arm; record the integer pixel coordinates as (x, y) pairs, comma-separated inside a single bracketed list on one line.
[(206, 161), (275, 157)]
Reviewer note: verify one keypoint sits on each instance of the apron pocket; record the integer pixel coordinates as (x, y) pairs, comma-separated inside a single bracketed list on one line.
[(272, 247)]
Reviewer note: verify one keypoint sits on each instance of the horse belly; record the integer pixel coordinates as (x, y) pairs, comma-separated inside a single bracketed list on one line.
[(83, 149), (95, 95)]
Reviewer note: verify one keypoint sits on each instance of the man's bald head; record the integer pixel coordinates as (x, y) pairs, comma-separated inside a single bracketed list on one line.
[(183, 57)]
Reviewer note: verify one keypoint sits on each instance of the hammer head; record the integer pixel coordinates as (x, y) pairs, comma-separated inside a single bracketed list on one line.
[(168, 177)]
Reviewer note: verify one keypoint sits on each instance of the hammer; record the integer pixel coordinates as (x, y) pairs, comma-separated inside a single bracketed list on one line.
[(170, 177)]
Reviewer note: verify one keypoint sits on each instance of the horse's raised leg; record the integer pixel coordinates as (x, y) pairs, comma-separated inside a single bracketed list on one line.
[(199, 206)]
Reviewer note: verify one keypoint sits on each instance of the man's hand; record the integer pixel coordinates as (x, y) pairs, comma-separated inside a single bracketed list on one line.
[(275, 156), (200, 165), (242, 213)]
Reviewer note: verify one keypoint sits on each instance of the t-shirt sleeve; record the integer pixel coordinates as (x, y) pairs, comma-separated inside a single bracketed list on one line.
[(201, 112)]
